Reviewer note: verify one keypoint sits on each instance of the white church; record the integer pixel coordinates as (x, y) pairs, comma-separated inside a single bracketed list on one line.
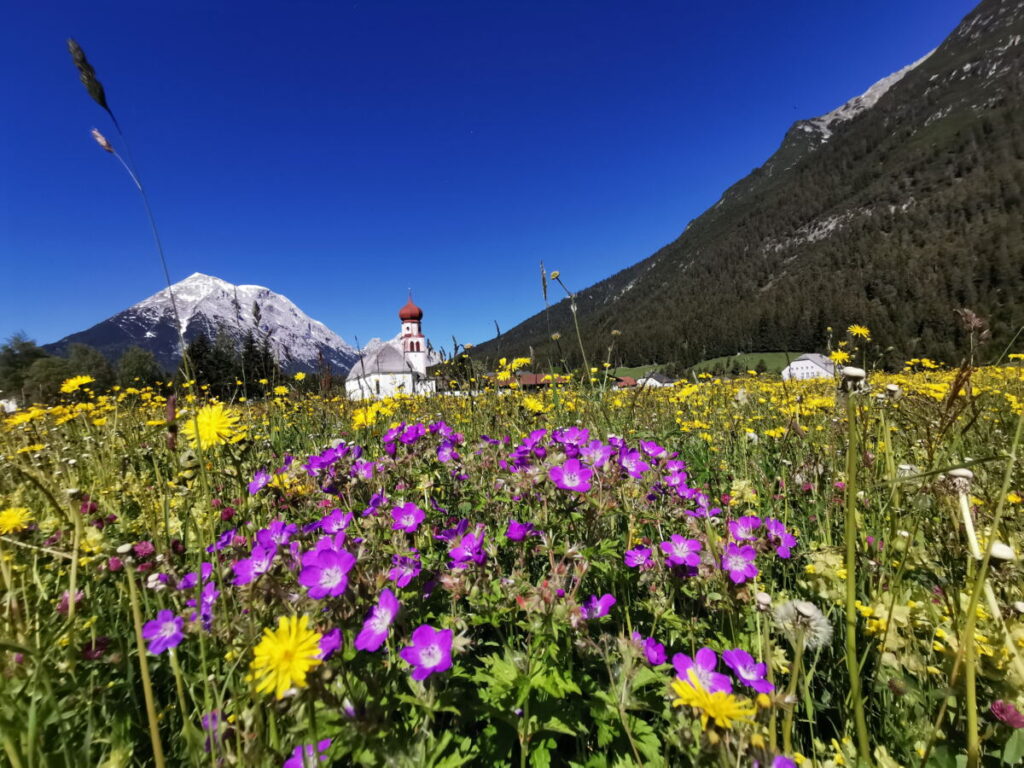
[(397, 366)]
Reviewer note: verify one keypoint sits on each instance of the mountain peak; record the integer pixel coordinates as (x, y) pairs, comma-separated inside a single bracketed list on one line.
[(209, 305)]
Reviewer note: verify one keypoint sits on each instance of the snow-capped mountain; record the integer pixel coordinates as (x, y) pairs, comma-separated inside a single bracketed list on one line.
[(823, 127), (209, 305)]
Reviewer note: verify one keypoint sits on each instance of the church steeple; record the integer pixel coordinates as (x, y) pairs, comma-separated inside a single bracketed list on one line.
[(413, 343)]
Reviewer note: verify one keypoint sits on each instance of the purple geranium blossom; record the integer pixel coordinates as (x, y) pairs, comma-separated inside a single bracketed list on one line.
[(259, 482), (407, 517), (307, 755), (739, 562), (703, 666), (652, 449), (634, 463), (783, 540), (430, 652), (781, 761), (404, 569), (375, 628), (571, 476), (325, 572), (519, 531), (682, 551), (745, 528), (654, 651), (251, 568), (208, 597), (163, 632), (446, 452), (275, 534), (639, 558), (362, 470), (451, 534), (469, 549), (335, 522), (329, 643), (596, 453), (747, 671), (222, 541), (595, 607)]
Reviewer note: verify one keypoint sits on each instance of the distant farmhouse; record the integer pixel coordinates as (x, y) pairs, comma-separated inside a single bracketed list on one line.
[(809, 366), (395, 367)]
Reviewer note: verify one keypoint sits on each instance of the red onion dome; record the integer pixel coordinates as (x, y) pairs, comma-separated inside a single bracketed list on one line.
[(410, 312)]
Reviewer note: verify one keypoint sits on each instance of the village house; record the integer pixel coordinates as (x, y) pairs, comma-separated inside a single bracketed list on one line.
[(809, 366)]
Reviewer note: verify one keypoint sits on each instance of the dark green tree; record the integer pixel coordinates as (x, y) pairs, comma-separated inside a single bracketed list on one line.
[(16, 358), (44, 377), (84, 360), (137, 367)]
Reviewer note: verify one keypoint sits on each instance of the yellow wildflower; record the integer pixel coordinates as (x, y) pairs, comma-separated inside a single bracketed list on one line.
[(285, 656), (14, 519)]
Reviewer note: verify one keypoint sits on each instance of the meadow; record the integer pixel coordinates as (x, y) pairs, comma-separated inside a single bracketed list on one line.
[(727, 572)]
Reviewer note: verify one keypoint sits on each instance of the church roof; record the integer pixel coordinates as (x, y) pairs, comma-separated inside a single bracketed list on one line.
[(387, 359)]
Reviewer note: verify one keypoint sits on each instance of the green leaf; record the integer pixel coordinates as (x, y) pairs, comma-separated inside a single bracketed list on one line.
[(557, 726), (1013, 750)]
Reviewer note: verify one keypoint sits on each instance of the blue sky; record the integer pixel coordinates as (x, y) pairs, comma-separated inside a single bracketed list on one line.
[(341, 153)]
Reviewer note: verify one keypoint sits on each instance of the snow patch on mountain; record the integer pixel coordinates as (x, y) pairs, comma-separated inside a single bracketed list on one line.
[(826, 124)]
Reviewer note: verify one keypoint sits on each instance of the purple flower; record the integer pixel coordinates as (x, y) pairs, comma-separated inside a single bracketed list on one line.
[(407, 517), (747, 671), (363, 470), (595, 607), (375, 628), (654, 651), (307, 755), (469, 549), (781, 761), (571, 476), (329, 643), (451, 534), (639, 558), (519, 531), (745, 528), (1006, 712), (222, 541), (259, 482), (652, 449), (703, 666), (163, 632), (596, 453), (430, 652), (144, 549), (783, 540), (251, 568), (404, 569), (739, 562), (325, 572), (446, 452), (681, 551), (571, 435), (275, 534), (634, 463), (336, 521)]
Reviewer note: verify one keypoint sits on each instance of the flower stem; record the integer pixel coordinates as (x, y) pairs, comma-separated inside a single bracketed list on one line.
[(147, 685), (853, 668)]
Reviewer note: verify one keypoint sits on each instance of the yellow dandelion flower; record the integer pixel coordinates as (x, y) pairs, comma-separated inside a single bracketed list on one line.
[(723, 708), (299, 376), (1013, 497), (75, 383), (281, 391), (212, 425), (285, 655), (14, 519), (839, 357), (859, 331)]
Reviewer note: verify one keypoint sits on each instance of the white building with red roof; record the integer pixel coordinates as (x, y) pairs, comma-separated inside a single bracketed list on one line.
[(395, 367)]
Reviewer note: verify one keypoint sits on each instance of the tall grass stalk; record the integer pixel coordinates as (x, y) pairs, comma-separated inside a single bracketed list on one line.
[(147, 684), (851, 535)]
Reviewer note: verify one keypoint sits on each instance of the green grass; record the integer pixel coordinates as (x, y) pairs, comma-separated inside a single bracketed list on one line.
[(775, 361), (636, 371)]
